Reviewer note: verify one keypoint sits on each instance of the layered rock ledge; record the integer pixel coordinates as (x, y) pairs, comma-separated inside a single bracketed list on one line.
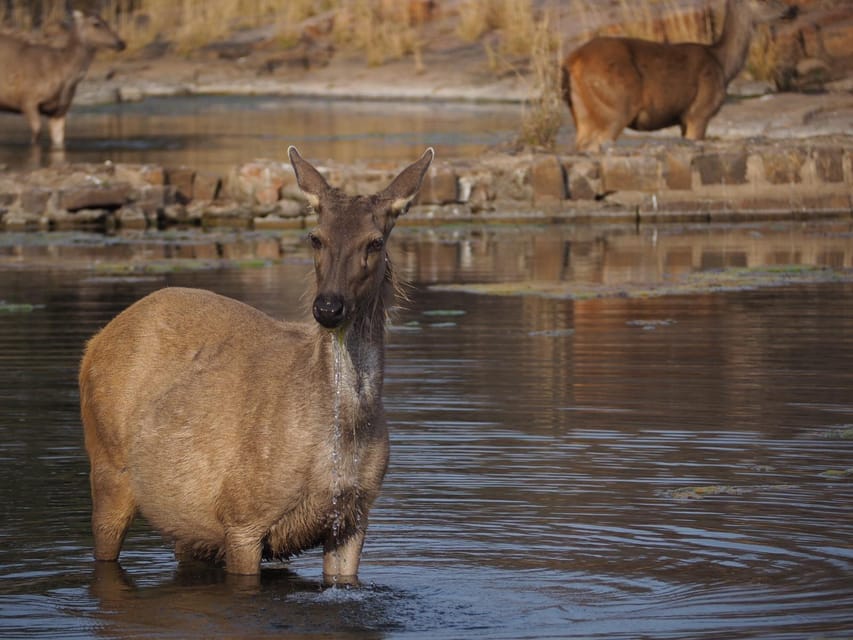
[(656, 182)]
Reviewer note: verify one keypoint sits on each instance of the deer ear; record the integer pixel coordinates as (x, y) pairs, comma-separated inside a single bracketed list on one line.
[(312, 184), (405, 186)]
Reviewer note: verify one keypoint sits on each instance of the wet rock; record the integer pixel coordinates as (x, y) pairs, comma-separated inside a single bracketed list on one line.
[(837, 35), (140, 175), (22, 220), (259, 182), (131, 217), (721, 168), (584, 179), (812, 73), (232, 215), (34, 200), (285, 214), (658, 182), (677, 169), (152, 198), (97, 196), (476, 188), (547, 180), (440, 186), (63, 219), (781, 166), (511, 178), (631, 173), (363, 180), (206, 186), (829, 164), (181, 178), (174, 214)]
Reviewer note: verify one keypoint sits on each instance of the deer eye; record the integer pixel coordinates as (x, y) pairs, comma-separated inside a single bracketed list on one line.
[(316, 243), (375, 245)]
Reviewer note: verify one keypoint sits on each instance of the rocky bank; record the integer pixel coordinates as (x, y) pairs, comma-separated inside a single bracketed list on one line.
[(780, 155)]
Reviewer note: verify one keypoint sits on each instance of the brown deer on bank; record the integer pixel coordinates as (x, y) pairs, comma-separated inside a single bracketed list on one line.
[(241, 437), (612, 83), (38, 79)]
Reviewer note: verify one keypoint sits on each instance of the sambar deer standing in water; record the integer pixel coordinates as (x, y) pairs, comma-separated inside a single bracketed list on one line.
[(241, 437), (611, 83), (38, 79)]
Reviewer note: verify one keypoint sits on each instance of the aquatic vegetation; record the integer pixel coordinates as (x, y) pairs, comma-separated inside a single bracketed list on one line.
[(444, 313), (843, 432), (20, 307), (837, 474), (650, 325), (696, 493), (552, 333)]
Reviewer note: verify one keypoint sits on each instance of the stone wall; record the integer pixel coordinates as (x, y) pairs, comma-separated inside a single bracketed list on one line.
[(676, 181)]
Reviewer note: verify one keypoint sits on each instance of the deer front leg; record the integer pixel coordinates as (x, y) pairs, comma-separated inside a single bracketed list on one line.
[(341, 559), (57, 131)]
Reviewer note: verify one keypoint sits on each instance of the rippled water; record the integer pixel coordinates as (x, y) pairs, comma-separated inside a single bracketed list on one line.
[(670, 467), (218, 132)]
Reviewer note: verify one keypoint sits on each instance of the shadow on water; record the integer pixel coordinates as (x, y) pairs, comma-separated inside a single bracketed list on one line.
[(669, 467)]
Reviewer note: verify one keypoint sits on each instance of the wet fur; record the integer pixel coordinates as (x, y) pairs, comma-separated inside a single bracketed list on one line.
[(216, 422)]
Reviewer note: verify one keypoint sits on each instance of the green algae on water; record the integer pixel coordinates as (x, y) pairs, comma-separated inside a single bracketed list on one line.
[(837, 474), (683, 494), (20, 307)]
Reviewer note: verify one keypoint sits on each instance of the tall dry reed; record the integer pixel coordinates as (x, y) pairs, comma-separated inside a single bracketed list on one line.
[(542, 114)]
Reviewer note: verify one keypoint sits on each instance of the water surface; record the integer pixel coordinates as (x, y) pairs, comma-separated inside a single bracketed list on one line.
[(216, 133), (671, 467)]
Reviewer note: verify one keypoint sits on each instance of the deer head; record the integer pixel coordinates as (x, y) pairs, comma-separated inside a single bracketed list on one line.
[(94, 32), (350, 255)]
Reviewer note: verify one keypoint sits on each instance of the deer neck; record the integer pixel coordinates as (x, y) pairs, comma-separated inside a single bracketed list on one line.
[(358, 363), (732, 47), (77, 55)]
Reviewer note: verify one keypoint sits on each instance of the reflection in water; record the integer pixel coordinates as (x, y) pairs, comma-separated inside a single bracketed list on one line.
[(217, 132), (615, 256), (605, 468)]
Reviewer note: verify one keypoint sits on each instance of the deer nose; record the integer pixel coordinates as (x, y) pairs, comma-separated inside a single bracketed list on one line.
[(329, 310)]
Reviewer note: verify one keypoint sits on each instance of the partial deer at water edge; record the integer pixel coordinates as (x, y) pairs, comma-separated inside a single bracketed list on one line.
[(611, 83), (241, 437), (38, 79)]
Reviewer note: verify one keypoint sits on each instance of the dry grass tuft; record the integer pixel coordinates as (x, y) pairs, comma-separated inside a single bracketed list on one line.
[(542, 116), (514, 20), (381, 29)]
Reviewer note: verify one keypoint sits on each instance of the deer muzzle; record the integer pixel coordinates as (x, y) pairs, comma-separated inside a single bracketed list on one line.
[(329, 310)]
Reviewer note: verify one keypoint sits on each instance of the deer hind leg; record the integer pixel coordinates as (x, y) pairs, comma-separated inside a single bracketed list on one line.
[(600, 113), (113, 508), (709, 99)]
